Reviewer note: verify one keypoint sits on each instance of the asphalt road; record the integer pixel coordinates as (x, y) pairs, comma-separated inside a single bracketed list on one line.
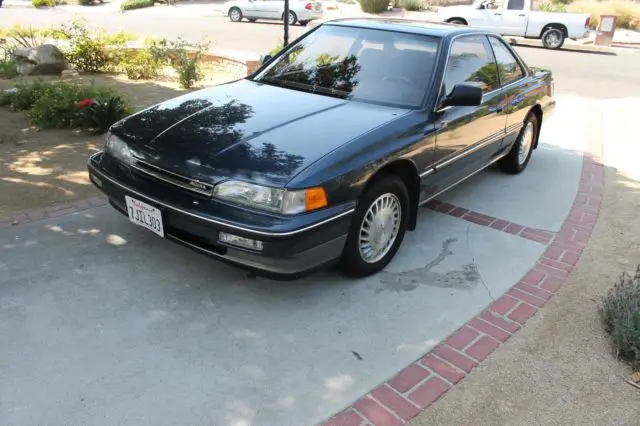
[(585, 74)]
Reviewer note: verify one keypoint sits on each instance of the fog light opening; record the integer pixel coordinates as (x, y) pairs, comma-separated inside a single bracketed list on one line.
[(238, 241), (96, 180)]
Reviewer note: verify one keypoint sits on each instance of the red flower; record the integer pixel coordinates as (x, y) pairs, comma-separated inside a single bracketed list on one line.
[(85, 103)]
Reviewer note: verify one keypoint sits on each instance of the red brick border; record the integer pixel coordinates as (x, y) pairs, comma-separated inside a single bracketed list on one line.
[(533, 234), (419, 385), (53, 211)]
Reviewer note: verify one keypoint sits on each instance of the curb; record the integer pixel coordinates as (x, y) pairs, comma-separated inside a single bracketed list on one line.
[(419, 385), (613, 49)]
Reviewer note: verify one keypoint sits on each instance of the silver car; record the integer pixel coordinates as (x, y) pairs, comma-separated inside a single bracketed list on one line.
[(300, 11)]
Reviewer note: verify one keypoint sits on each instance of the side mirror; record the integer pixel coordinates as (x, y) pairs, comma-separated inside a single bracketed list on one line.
[(266, 58), (463, 95)]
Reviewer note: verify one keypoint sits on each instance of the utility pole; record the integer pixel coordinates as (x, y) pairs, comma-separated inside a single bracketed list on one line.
[(286, 24)]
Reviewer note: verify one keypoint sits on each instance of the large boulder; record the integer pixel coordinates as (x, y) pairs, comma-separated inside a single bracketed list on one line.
[(45, 59)]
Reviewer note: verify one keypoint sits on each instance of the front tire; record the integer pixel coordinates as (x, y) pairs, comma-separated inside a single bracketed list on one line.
[(520, 154), (235, 14), (553, 38), (303, 23), (378, 227)]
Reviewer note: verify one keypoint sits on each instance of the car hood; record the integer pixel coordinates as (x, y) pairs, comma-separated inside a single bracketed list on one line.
[(246, 129)]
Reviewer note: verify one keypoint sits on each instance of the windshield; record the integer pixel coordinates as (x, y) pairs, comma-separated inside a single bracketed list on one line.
[(367, 65)]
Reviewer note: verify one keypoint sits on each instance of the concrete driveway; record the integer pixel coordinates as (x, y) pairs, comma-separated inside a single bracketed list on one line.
[(103, 323)]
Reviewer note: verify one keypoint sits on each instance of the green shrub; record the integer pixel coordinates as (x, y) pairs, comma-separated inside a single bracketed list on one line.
[(413, 5), (89, 2), (184, 57), (8, 69), (64, 104), (5, 98), (374, 6), (98, 115), (88, 52), (552, 6), (57, 106), (25, 95), (43, 3), (141, 65), (136, 4), (620, 313)]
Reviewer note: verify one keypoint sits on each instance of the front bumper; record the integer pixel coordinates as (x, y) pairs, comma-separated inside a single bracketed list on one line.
[(548, 109), (291, 249)]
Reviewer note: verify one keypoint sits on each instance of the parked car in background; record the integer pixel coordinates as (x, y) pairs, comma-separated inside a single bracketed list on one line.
[(326, 152), (516, 18), (300, 11)]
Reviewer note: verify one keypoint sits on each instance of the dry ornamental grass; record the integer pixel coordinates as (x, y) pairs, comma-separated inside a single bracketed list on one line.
[(627, 11)]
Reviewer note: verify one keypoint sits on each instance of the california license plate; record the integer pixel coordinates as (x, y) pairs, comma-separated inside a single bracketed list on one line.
[(144, 215)]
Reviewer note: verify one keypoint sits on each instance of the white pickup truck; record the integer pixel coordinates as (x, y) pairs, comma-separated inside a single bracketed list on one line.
[(516, 18)]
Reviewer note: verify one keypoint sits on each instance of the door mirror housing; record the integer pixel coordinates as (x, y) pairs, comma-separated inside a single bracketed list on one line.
[(463, 95), (266, 58)]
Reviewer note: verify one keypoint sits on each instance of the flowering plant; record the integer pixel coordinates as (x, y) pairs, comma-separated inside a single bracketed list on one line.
[(85, 103), (99, 114)]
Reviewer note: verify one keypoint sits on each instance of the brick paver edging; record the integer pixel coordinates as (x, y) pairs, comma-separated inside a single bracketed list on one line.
[(419, 385)]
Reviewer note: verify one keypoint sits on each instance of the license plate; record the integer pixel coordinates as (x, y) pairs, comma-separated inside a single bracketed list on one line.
[(144, 215)]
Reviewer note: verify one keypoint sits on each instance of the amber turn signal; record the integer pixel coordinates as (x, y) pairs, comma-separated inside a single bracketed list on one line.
[(315, 198)]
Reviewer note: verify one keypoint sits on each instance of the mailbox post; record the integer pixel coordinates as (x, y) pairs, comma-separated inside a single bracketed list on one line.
[(606, 29)]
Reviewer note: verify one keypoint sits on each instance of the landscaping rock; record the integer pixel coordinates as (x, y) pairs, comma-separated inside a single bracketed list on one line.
[(69, 73), (45, 59)]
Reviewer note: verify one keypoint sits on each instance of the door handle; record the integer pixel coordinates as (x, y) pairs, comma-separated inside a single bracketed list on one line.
[(498, 14), (522, 14)]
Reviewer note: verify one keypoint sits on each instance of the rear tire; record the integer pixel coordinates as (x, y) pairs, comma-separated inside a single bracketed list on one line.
[(518, 157), (377, 228), (235, 14), (553, 38), (457, 21)]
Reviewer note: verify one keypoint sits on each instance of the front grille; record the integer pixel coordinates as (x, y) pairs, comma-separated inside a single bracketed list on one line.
[(172, 178)]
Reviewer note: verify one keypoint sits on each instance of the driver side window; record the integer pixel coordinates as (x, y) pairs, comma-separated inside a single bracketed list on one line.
[(471, 61), (515, 5)]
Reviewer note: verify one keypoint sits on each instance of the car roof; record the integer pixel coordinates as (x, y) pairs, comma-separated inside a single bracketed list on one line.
[(430, 28)]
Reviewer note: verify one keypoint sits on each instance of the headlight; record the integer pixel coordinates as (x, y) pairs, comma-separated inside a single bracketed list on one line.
[(272, 199), (118, 148)]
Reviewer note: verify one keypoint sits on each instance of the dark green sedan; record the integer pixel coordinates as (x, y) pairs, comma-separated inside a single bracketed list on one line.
[(325, 153)]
